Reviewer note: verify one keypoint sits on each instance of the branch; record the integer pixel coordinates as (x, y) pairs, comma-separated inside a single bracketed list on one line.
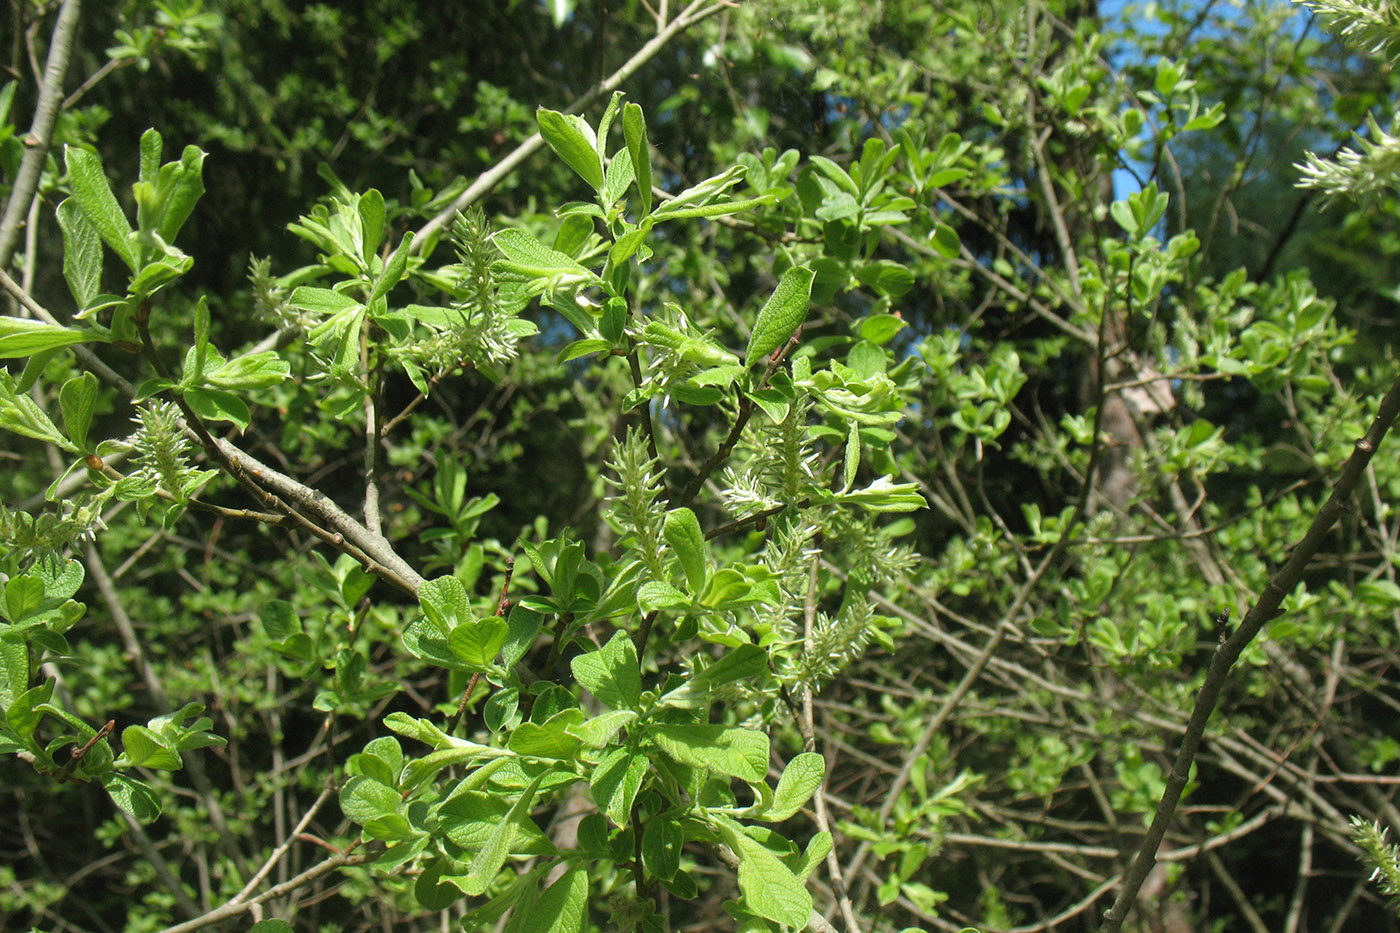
[(237, 908), (334, 519), (695, 12), (740, 421), (1264, 609), (40, 134)]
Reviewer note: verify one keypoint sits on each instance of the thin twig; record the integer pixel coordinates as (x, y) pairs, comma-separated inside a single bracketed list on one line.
[(232, 909), (695, 12)]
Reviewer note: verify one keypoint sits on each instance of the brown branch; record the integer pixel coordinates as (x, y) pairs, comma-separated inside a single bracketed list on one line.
[(740, 421), (40, 135), (1229, 651), (694, 13), (235, 908)]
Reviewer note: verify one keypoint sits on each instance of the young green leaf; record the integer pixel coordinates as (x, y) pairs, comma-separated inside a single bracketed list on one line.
[(141, 748), (657, 594), (615, 782), (477, 643), (77, 400), (741, 753), (745, 663), (770, 888), (619, 178), (444, 601), (527, 256), (82, 253), (683, 533), (800, 780), (133, 796), (634, 130), (180, 187), (574, 141), (852, 459), (662, 842), (320, 300), (611, 673), (94, 195), (487, 864), (371, 211), (561, 909), (783, 313), (393, 270), (20, 337), (151, 146), (22, 415)]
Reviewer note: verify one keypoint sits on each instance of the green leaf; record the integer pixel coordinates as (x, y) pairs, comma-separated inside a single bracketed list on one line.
[(945, 240), (21, 337), (817, 848), (656, 594), (21, 414), (886, 277), (741, 753), (683, 534), (561, 909), (82, 253), (800, 780), (487, 864), (142, 748), (524, 626), (363, 799), (553, 739), (584, 347), (271, 926), (471, 816), (770, 888), (94, 195), (574, 141), (180, 187), (77, 401), (133, 796), (23, 595), (527, 256), (615, 782), (477, 643), (611, 673), (634, 130), (321, 301), (261, 370), (783, 313), (218, 405), (879, 329), (746, 663), (393, 270), (662, 842), (371, 214), (1122, 212), (836, 173), (852, 458), (695, 201), (599, 731), (444, 601), (151, 146), (619, 178), (14, 674)]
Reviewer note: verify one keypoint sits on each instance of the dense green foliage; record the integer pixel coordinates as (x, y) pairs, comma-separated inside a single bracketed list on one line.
[(830, 484)]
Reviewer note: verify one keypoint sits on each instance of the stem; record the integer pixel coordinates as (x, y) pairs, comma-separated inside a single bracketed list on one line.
[(694, 13), (235, 908), (740, 421), (1264, 609), (40, 135)]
